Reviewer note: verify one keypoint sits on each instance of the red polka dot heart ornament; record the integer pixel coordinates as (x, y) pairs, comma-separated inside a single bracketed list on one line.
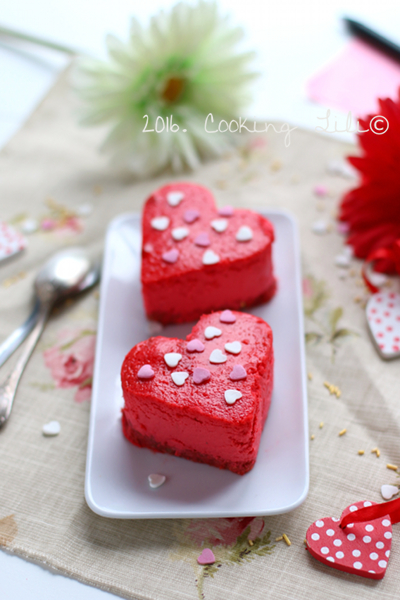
[(359, 542), (383, 316), (197, 258)]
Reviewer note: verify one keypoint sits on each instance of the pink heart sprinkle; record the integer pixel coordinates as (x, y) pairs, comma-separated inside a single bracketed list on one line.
[(201, 375), (238, 372), (145, 372), (206, 557), (195, 346), (171, 256), (191, 215), (320, 190), (226, 211), (343, 228), (227, 316), (202, 240)]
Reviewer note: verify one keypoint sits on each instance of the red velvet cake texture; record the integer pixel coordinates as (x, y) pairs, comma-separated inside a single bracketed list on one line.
[(196, 258), (205, 398)]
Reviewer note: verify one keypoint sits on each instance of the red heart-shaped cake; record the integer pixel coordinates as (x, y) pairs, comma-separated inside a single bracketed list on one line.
[(205, 398), (359, 548), (196, 259)]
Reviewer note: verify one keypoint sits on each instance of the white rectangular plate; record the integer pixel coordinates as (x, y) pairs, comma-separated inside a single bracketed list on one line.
[(117, 472)]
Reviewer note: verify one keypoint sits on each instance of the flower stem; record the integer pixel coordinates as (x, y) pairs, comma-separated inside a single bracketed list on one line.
[(5, 31)]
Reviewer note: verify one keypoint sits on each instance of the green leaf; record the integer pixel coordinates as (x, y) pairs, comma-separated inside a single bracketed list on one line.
[(312, 336), (318, 297), (334, 317), (343, 333), (82, 334), (210, 570), (88, 381)]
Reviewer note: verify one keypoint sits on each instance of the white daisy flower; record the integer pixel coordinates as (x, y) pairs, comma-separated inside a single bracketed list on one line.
[(183, 66)]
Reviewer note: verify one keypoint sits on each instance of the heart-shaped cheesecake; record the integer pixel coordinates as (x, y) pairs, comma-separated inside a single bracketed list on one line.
[(383, 316), (196, 258), (359, 548), (205, 398)]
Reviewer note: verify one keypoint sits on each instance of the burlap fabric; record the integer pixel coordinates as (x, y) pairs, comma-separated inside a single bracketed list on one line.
[(43, 514)]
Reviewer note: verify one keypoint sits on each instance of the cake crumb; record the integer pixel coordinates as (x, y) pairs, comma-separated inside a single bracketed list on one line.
[(310, 376), (342, 432), (11, 280), (285, 537), (333, 389), (392, 467), (321, 425), (276, 165), (221, 184), (279, 539), (361, 452)]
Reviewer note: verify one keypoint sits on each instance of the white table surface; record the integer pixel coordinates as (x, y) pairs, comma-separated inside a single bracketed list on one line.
[(293, 40)]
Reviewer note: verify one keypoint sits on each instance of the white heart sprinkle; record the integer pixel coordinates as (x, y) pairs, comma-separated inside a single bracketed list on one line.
[(174, 198), (341, 260), (339, 167), (348, 251), (388, 491), (219, 225), (52, 428), (160, 223), (179, 377), (155, 480), (212, 332), (172, 358), (84, 210), (179, 233), (210, 257), (30, 225), (320, 227), (233, 347), (244, 234), (217, 357), (232, 395)]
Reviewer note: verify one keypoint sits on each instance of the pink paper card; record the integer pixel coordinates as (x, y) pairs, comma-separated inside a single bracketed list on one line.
[(355, 80), (11, 241)]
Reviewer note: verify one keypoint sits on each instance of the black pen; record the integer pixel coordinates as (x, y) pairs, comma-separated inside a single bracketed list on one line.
[(373, 38)]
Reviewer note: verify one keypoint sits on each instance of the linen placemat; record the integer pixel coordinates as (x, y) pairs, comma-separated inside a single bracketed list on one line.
[(52, 175)]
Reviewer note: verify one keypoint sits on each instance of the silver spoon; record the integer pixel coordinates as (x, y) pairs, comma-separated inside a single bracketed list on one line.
[(16, 338), (66, 273)]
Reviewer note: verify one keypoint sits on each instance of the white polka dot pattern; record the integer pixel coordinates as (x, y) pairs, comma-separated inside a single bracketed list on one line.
[(383, 315), (352, 551)]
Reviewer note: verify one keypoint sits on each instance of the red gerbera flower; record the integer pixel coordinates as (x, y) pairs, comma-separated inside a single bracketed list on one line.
[(372, 210)]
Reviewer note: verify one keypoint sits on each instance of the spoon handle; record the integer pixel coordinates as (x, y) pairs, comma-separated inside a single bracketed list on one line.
[(8, 388), (17, 337)]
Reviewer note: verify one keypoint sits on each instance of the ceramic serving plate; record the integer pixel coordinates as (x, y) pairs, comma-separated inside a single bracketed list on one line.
[(117, 472)]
